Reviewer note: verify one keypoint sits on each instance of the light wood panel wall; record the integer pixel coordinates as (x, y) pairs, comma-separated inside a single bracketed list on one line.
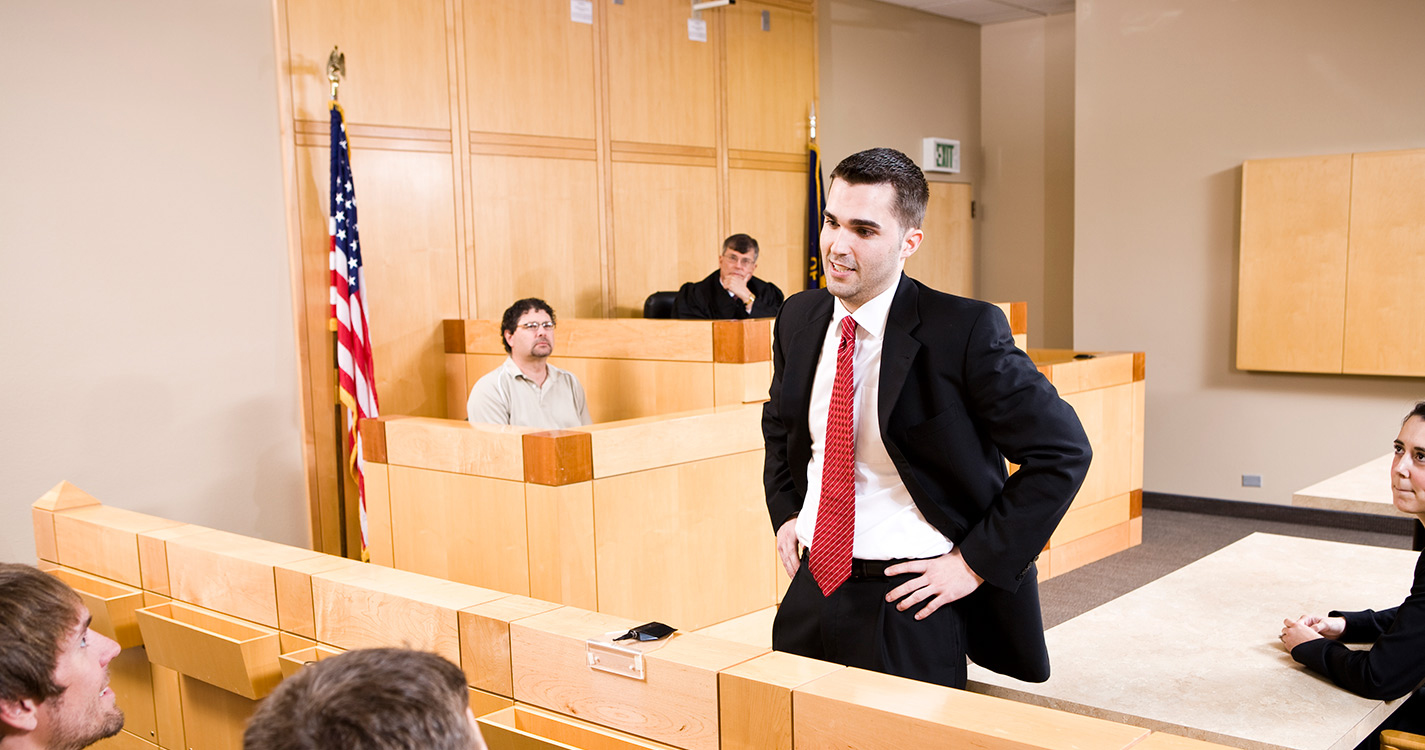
[(502, 150), (1330, 249), (946, 259)]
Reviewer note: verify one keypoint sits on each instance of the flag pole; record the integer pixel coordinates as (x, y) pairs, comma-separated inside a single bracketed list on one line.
[(336, 68)]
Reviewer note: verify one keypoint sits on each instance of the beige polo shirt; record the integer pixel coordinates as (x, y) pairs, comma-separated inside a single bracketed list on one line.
[(505, 396)]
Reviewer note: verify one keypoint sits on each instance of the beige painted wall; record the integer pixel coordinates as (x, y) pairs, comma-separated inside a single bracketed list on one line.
[(1026, 199), (1172, 96), (147, 336), (890, 76)]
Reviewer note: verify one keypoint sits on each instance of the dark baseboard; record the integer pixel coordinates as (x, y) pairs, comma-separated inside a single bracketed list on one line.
[(1284, 513)]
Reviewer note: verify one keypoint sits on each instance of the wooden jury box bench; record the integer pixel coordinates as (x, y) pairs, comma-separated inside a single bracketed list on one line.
[(212, 622)]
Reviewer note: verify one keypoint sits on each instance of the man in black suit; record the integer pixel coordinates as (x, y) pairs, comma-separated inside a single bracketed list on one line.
[(938, 559), (730, 292)]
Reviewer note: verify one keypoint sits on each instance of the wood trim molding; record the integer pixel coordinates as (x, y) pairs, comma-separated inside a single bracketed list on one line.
[(1135, 503), (376, 137), (373, 439), (742, 341), (661, 153), (1140, 362), (454, 333), (1019, 317), (766, 160), (558, 457), (804, 6), (64, 496), (538, 146)]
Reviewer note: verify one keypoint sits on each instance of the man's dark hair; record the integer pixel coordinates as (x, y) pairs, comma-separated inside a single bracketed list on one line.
[(37, 612), (371, 699), (519, 308), (1418, 411), (743, 244), (887, 165)]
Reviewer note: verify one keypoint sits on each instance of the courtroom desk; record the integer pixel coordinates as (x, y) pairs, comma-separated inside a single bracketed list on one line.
[(1196, 652), (1364, 489), (1108, 392)]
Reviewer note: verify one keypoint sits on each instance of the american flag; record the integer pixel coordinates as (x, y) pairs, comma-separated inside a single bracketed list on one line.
[(355, 376)]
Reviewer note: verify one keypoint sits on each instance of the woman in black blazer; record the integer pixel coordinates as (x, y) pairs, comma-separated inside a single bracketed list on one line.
[(1395, 664)]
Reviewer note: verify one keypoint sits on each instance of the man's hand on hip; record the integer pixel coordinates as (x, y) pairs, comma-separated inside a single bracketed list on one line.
[(788, 547), (942, 580)]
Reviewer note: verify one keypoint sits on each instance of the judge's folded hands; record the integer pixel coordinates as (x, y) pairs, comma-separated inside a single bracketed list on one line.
[(1309, 628)]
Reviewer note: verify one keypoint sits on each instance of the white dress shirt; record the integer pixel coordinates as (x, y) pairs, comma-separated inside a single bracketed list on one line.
[(888, 524)]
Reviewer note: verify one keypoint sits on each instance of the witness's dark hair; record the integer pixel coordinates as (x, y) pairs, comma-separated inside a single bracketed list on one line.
[(519, 308), (372, 699), (1418, 411), (887, 165), (37, 612)]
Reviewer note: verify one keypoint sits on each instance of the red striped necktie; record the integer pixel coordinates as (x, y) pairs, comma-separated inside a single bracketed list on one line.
[(836, 513)]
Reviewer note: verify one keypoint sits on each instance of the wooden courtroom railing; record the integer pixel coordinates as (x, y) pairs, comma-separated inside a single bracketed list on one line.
[(658, 517), (191, 680), (633, 367)]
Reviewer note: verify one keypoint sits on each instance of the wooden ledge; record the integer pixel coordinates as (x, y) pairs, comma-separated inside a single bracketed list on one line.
[(373, 438), (742, 341), (64, 496), (558, 457), (454, 331), (1018, 317), (1140, 362)]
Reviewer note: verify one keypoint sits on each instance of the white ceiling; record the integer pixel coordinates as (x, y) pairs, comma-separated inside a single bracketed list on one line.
[(984, 12)]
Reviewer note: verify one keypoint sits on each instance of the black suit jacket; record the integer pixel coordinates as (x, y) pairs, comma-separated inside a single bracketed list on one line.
[(1394, 666), (707, 300), (957, 397)]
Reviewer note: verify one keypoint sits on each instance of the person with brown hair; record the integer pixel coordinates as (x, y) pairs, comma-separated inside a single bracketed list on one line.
[(371, 699), (54, 670), (1393, 667), (892, 409), (730, 292)]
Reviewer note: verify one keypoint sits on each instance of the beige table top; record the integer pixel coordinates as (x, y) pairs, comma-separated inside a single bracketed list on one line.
[(1364, 489), (1196, 652)]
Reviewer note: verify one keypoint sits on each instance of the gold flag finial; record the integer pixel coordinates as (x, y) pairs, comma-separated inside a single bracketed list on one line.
[(336, 69)]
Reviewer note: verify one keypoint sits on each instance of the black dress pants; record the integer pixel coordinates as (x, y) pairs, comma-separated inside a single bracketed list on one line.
[(857, 627)]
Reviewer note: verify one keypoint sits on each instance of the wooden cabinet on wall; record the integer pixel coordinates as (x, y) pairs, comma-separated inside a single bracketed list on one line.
[(504, 150), (1332, 251)]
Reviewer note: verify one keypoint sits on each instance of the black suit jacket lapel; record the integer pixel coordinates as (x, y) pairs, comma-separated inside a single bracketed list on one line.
[(899, 348), (802, 351)]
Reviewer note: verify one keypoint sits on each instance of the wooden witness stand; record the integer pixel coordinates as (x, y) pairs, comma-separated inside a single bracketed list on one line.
[(661, 515)]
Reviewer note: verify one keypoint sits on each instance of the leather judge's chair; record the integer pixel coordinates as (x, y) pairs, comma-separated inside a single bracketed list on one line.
[(659, 305)]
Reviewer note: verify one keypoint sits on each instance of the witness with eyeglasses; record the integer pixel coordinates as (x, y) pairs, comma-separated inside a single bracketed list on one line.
[(525, 389)]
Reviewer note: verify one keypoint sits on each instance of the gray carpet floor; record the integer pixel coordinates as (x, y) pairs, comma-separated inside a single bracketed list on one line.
[(1172, 539)]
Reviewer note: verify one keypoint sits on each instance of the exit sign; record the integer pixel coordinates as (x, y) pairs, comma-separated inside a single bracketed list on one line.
[(940, 155)]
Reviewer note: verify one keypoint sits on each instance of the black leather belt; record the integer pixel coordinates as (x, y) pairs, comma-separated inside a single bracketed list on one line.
[(863, 568)]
